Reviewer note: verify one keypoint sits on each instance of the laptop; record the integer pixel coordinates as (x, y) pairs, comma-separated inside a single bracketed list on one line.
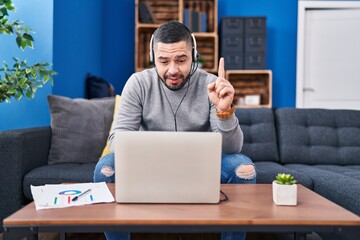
[(167, 167)]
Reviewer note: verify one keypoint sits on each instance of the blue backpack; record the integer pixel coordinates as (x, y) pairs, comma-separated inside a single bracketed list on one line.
[(97, 87)]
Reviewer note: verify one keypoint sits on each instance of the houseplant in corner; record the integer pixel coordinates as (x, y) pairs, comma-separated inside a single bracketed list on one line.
[(20, 79), (284, 190)]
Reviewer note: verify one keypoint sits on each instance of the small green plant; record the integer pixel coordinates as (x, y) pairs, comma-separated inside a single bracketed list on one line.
[(285, 179)]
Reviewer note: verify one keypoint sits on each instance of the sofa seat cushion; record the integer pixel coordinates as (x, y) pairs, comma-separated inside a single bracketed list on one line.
[(335, 183), (349, 170), (318, 136), (258, 126), (58, 173), (267, 171)]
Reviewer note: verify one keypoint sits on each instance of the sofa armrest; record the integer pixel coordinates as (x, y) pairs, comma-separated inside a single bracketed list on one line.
[(21, 150)]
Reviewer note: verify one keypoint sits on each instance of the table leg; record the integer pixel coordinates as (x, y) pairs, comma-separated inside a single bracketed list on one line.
[(300, 236), (34, 236), (62, 235)]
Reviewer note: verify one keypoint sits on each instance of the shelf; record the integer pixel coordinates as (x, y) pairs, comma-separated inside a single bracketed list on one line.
[(207, 47), (148, 25), (142, 41), (162, 11), (251, 86), (159, 12)]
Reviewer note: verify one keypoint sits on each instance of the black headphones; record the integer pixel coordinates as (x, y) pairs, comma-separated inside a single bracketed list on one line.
[(195, 54)]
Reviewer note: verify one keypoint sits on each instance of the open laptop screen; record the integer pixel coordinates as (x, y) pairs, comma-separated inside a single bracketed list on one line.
[(167, 167)]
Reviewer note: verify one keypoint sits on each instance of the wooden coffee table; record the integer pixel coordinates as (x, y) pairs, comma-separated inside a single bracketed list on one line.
[(250, 208)]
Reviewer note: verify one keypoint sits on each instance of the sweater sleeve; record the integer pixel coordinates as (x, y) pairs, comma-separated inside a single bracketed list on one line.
[(129, 113), (232, 136)]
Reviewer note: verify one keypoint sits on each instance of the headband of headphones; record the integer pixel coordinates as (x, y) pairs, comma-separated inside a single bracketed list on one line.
[(194, 53)]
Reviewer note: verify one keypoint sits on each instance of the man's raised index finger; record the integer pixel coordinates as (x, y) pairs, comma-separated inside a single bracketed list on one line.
[(221, 71)]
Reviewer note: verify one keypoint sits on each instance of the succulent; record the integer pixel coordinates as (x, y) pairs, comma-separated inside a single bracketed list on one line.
[(285, 179)]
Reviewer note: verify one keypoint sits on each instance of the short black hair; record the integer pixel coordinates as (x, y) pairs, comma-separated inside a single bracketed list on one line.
[(173, 32)]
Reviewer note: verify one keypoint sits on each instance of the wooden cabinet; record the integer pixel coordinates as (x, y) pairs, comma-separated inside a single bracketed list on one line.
[(150, 14), (253, 88)]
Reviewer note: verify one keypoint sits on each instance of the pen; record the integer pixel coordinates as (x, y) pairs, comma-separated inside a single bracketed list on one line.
[(81, 194)]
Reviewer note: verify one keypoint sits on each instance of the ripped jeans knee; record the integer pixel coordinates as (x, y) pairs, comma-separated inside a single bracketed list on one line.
[(245, 171), (237, 168), (105, 169)]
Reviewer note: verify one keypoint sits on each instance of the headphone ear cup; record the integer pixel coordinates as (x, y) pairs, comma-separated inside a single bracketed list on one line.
[(195, 54), (151, 51)]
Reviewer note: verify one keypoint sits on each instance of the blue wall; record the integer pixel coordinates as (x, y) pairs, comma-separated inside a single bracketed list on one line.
[(281, 41), (94, 37), (28, 113), (97, 36), (118, 42), (77, 44)]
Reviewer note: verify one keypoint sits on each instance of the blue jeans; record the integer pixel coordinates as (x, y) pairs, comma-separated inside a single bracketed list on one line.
[(231, 172)]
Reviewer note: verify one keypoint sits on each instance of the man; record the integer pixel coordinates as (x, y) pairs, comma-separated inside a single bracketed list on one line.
[(176, 96)]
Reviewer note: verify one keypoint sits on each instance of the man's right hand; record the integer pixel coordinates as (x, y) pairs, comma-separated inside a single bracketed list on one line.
[(221, 92)]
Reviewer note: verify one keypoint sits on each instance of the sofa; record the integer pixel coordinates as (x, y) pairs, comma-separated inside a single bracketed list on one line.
[(320, 147)]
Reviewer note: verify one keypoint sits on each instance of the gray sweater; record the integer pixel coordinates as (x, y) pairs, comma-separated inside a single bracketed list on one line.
[(148, 105)]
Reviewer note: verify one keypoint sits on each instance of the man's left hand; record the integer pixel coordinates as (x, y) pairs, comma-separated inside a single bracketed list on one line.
[(221, 92)]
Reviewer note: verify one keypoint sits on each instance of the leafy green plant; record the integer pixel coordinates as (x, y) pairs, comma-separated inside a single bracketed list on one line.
[(285, 179), (20, 79)]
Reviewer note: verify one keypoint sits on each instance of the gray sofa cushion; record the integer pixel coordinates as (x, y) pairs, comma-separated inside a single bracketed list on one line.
[(258, 127), (352, 171), (318, 136), (267, 171), (58, 173), (332, 184), (79, 128)]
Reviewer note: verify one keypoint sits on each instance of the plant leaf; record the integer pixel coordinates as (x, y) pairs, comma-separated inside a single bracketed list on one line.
[(28, 37), (24, 86), (46, 78), (10, 6), (9, 30), (29, 43), (286, 179), (29, 94), (19, 95), (4, 11), (23, 45), (18, 41), (11, 91)]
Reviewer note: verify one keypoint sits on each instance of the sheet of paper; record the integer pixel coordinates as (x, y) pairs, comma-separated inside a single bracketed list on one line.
[(61, 195)]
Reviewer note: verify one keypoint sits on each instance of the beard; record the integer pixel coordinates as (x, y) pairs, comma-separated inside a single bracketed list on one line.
[(176, 86)]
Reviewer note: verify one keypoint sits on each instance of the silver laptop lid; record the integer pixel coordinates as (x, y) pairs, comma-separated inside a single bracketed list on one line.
[(167, 167)]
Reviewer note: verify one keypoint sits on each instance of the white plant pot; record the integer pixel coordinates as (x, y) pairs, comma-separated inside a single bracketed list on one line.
[(284, 194)]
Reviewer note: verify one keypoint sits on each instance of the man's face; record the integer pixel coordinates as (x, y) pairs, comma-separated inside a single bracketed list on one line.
[(173, 63)]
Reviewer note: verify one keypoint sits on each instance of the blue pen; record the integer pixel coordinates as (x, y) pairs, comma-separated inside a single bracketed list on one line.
[(82, 194)]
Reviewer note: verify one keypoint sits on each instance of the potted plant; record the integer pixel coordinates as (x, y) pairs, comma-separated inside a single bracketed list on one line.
[(20, 79), (285, 190)]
